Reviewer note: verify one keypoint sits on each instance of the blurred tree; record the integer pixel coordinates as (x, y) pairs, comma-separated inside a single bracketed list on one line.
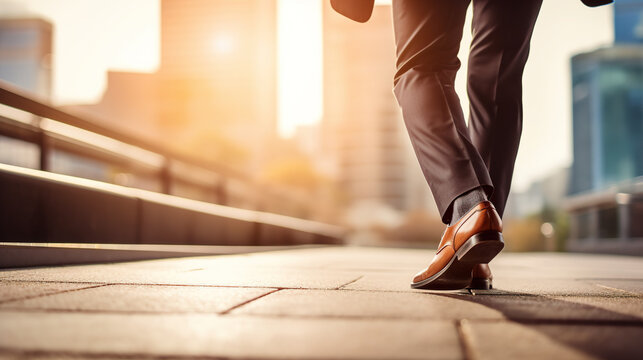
[(560, 221), (524, 234)]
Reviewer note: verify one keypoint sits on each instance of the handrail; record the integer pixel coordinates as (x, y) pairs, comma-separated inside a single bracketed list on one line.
[(36, 134), (13, 97)]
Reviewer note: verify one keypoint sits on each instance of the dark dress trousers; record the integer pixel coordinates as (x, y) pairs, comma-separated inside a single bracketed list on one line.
[(455, 158), (361, 10)]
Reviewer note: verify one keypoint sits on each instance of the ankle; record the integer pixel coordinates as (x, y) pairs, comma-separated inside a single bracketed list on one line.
[(465, 202)]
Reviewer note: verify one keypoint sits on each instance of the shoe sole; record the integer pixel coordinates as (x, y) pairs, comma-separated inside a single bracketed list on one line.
[(478, 249)]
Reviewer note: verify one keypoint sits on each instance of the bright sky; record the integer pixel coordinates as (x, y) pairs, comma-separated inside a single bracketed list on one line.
[(124, 35)]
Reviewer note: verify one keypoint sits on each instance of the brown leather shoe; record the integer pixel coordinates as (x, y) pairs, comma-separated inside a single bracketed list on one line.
[(481, 278), (475, 239)]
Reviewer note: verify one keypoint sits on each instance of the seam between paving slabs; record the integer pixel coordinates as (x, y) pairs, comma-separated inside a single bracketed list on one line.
[(348, 283), (617, 289), (52, 293), (467, 342), (225, 312)]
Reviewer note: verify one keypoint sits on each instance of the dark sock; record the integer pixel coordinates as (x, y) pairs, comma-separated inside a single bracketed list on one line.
[(465, 202)]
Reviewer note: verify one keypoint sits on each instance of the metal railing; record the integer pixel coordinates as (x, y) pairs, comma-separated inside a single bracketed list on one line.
[(223, 184)]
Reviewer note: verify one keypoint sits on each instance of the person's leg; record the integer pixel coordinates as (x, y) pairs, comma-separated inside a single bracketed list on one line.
[(501, 34), (502, 31), (427, 36)]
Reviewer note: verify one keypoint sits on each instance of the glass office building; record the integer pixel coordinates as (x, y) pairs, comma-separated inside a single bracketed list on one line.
[(628, 22), (605, 193), (606, 188), (607, 117)]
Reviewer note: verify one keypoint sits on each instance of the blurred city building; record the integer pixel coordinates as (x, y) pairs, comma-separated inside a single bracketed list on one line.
[(25, 54), (628, 22), (547, 192), (219, 73), (25, 62), (214, 97), (606, 188), (130, 102), (364, 140), (215, 93)]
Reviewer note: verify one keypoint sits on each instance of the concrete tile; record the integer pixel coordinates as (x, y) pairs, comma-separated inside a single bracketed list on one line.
[(138, 298), (545, 308), (232, 336), (631, 286), (275, 277), (11, 290), (400, 281), (385, 260), (366, 304), (384, 282), (186, 272), (630, 307), (550, 286), (567, 266), (507, 340)]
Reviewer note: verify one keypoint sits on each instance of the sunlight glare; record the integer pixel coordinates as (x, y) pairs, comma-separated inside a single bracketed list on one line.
[(223, 44)]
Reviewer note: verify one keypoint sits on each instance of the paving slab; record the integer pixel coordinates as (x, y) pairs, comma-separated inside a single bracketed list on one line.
[(628, 286), (631, 307), (552, 287), (13, 290), (399, 282), (172, 272), (539, 308), (366, 304), (227, 336), (567, 266), (510, 340), (143, 298)]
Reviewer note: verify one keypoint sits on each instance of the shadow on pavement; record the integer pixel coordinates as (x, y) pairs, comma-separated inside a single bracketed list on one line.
[(590, 329)]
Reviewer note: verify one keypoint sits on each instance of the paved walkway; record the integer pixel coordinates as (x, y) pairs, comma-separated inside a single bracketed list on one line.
[(324, 303)]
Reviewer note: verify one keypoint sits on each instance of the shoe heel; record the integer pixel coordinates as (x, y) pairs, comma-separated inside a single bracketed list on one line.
[(480, 284), (481, 248)]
